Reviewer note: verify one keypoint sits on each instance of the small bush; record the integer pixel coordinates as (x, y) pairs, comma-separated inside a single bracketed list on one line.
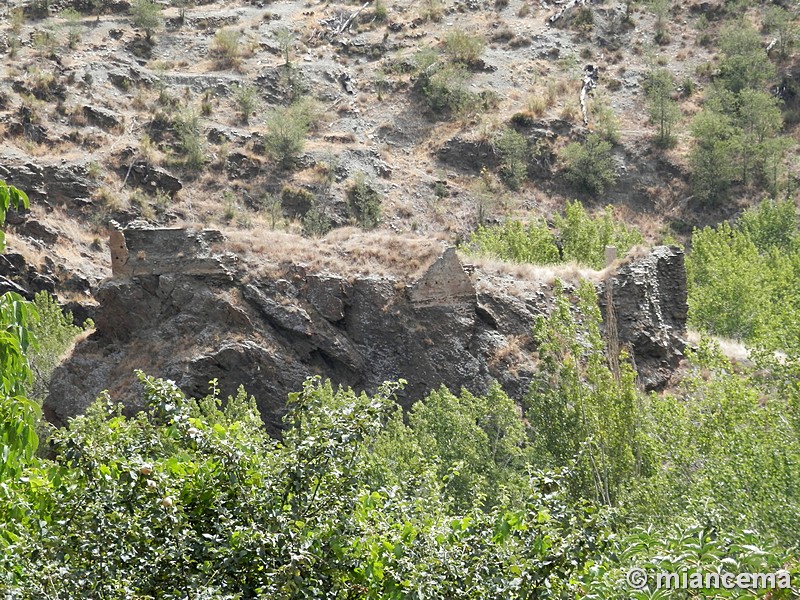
[(583, 19), (226, 48), (316, 221), (365, 202), (513, 149), (464, 48), (445, 90), (287, 128), (432, 10), (54, 332), (296, 202), (246, 98), (381, 14), (589, 165), (190, 141), (73, 21)]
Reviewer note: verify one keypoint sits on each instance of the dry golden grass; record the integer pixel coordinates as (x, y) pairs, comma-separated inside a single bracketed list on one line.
[(733, 349), (346, 250), (542, 274)]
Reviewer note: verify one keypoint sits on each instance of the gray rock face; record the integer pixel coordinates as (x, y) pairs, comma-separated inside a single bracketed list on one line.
[(269, 333), (147, 175), (102, 117), (650, 309), (51, 184)]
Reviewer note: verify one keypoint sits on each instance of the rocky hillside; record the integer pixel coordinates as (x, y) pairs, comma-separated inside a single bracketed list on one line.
[(179, 306), (108, 118), (420, 120)]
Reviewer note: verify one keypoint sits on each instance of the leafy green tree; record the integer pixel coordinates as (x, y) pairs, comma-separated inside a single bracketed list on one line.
[(147, 16), (513, 149), (723, 443), (728, 283), (781, 23), (287, 128), (759, 119), (516, 242), (579, 238), (713, 154), (286, 43), (18, 414), (463, 47), (590, 165), (744, 64), (365, 202), (663, 110), (771, 224), (661, 10), (478, 440), (577, 408), (584, 239)]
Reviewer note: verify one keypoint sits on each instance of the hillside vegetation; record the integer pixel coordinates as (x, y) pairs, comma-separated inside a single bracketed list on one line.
[(442, 120)]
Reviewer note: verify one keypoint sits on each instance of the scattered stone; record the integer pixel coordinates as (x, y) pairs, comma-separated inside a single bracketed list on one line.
[(241, 166)]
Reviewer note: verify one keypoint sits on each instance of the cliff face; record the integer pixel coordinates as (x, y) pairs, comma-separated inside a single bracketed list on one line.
[(177, 307)]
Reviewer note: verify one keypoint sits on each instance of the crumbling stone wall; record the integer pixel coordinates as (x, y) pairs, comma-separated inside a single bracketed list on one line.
[(143, 251), (444, 283)]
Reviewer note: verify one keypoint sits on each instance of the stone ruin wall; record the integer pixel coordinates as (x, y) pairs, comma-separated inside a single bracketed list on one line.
[(158, 251)]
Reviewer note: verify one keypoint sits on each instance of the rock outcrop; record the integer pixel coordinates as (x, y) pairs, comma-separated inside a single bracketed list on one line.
[(177, 307)]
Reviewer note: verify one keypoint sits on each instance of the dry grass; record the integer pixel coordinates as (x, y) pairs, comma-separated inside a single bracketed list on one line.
[(346, 250), (542, 274), (733, 349)]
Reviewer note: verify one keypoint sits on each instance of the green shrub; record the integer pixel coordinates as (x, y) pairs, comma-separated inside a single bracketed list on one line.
[(381, 14), (463, 47), (445, 90), (287, 128), (246, 97), (577, 407), (146, 15), (365, 202), (513, 148), (744, 64), (296, 201), (577, 237), (712, 157), (74, 26), (584, 238), (431, 10), (186, 124), (286, 42), (663, 110), (226, 48), (590, 165), (739, 273), (316, 221), (54, 334)]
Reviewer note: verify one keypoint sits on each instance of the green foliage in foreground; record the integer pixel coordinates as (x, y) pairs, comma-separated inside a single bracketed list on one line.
[(18, 415), (466, 498), (188, 498), (582, 239)]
